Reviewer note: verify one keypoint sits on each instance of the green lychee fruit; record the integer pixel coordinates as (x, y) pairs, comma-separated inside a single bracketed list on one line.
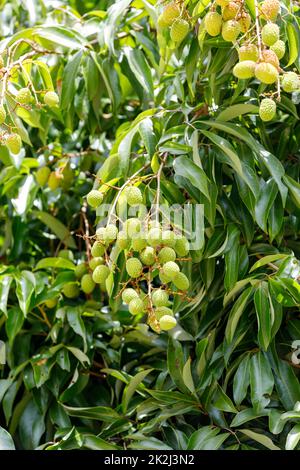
[(213, 23), (123, 241), (87, 284), (100, 274), (244, 70), (24, 96), (267, 109), (111, 233), (279, 48), (2, 114), (170, 13), (14, 143), (167, 322), (290, 82), (51, 99), (42, 175), (136, 306), (230, 11), (270, 9), (161, 311), (270, 57), (138, 242), (166, 254), (179, 30), (168, 238), (266, 73), (244, 22), (182, 246), (160, 298), (181, 282), (71, 290), (132, 226), (154, 237), (129, 294), (163, 278), (94, 198), (80, 270), (133, 195), (148, 256), (270, 34), (134, 267), (98, 249), (248, 52), (230, 30), (51, 303), (94, 262), (53, 181), (170, 270)]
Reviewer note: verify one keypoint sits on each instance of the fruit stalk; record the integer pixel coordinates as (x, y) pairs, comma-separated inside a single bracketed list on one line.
[(258, 30)]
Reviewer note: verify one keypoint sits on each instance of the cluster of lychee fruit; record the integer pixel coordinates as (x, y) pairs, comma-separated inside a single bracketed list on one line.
[(61, 177), (174, 19), (154, 255)]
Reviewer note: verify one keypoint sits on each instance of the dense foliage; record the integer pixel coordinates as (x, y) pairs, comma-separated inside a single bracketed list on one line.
[(99, 95)]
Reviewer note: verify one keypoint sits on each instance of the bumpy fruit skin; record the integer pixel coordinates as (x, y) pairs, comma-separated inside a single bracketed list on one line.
[(98, 249), (182, 246), (279, 48), (167, 323), (163, 278), (161, 311), (14, 143), (87, 284), (170, 13), (230, 11), (24, 96), (244, 70), (168, 238), (213, 23), (134, 267), (154, 236), (132, 226), (267, 109), (230, 30), (147, 256), (266, 73), (290, 82), (53, 181), (248, 52), (123, 241), (71, 290), (42, 175), (179, 30), (170, 270), (270, 34), (160, 298), (51, 303), (138, 242), (245, 22), (166, 254), (270, 9), (80, 270), (2, 114), (51, 99), (270, 57), (111, 233), (181, 282), (136, 306), (100, 274), (129, 294), (94, 262), (94, 198), (133, 195)]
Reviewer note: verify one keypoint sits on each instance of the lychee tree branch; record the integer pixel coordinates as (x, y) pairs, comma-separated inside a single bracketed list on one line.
[(258, 30)]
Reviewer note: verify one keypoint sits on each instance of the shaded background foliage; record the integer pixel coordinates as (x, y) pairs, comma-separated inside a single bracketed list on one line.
[(83, 374)]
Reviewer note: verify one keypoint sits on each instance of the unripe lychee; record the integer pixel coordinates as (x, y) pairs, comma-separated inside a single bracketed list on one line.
[(129, 294), (80, 270), (182, 246), (148, 256), (138, 242), (98, 249), (53, 181), (213, 23), (123, 241), (100, 274), (163, 278), (136, 306), (170, 13), (111, 233), (161, 311), (14, 143), (66, 254), (267, 109), (94, 262), (154, 236), (160, 298), (244, 70), (290, 82), (270, 34), (100, 234), (230, 30), (71, 290), (270, 57), (279, 48), (132, 226), (94, 198), (42, 175), (133, 195), (248, 52), (87, 284), (51, 303), (167, 322), (168, 238), (181, 281), (270, 9), (2, 114), (134, 267), (24, 96), (245, 22), (230, 11), (166, 254), (266, 73), (51, 99), (170, 270), (179, 30)]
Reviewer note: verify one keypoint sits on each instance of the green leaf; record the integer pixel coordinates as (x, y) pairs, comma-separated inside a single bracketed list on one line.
[(293, 43), (6, 441), (241, 380), (69, 80), (55, 263), (293, 438), (264, 314), (268, 259), (262, 439), (185, 167), (176, 364), (132, 386), (237, 110), (25, 283), (246, 415), (236, 313), (223, 402), (100, 413), (140, 68), (57, 228), (5, 283), (261, 381)]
